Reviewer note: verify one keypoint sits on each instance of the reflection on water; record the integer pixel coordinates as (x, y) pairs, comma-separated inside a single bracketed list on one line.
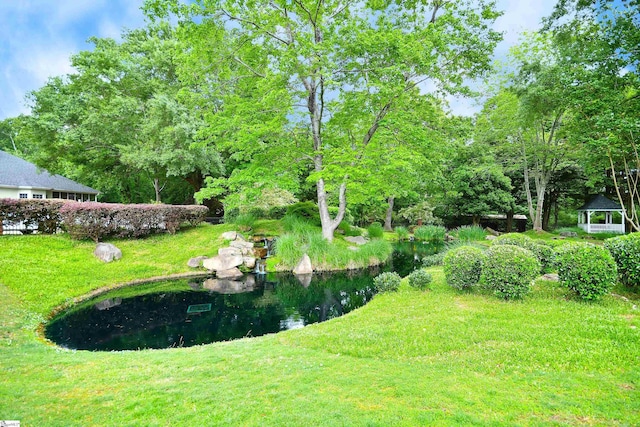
[(167, 314)]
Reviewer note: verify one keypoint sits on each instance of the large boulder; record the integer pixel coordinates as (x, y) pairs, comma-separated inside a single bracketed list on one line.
[(223, 286), (232, 273), (222, 262), (196, 262), (304, 266), (242, 245), (260, 252), (249, 262), (107, 252), (229, 235), (358, 240), (229, 251)]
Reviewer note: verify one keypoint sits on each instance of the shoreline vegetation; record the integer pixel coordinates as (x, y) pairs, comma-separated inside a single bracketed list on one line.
[(411, 357)]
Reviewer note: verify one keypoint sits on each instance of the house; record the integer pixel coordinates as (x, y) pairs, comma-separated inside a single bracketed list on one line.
[(20, 179), (609, 216)]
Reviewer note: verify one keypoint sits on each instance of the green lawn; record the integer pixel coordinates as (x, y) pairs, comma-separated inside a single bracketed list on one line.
[(411, 358)]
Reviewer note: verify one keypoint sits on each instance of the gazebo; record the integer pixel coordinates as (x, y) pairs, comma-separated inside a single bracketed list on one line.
[(601, 204)]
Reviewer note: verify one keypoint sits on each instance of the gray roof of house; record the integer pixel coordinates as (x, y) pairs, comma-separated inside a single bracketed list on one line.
[(16, 172), (600, 203)]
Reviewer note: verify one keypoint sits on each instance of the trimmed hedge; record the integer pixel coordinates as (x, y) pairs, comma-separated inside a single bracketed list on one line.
[(509, 270), (387, 282), (588, 270), (463, 266), (92, 220), (40, 214), (420, 279), (543, 252), (626, 253)]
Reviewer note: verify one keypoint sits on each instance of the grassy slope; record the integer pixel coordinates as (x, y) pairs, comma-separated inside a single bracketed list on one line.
[(411, 358)]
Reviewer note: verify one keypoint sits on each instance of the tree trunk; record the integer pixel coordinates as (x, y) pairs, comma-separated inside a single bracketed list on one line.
[(388, 217), (329, 225), (156, 187), (537, 221), (509, 226)]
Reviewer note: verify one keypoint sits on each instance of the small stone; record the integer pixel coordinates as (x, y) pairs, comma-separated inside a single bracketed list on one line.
[(196, 262), (490, 237), (553, 277), (107, 252), (569, 234), (108, 303), (249, 262), (304, 266)]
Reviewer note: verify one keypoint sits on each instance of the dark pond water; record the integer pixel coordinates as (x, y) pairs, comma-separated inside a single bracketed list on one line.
[(183, 313)]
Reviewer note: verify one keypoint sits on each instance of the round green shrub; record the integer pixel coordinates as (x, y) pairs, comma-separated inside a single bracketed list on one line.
[(375, 230), (626, 253), (544, 253), (420, 279), (508, 270), (588, 270), (433, 260), (463, 266), (387, 282)]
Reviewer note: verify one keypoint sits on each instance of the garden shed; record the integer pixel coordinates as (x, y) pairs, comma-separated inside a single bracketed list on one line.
[(601, 215)]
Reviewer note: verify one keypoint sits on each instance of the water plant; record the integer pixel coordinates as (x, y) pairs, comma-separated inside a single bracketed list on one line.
[(430, 233), (402, 232), (468, 233)]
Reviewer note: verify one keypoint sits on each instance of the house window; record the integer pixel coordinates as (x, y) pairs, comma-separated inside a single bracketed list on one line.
[(37, 196), (56, 194), (63, 195), (24, 196)]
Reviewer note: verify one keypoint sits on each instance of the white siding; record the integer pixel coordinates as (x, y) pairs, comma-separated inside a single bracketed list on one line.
[(10, 193)]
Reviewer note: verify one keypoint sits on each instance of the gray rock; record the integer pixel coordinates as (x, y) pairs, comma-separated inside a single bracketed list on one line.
[(196, 262), (551, 276), (358, 240), (249, 262), (222, 262), (107, 252), (490, 237), (304, 266), (304, 279), (569, 234), (108, 303), (231, 273), (223, 286), (229, 235), (229, 251), (242, 245)]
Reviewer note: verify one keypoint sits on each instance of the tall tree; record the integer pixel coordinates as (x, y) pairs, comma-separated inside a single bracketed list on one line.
[(341, 69)]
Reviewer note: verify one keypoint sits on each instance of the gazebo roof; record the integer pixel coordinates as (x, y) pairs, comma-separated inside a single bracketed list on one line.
[(600, 203)]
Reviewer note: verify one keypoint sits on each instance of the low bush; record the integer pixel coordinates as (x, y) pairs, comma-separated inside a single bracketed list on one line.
[(245, 221), (588, 270), (307, 210), (402, 232), (92, 220), (543, 252), (463, 266), (420, 279), (375, 230), (626, 253), (509, 270), (387, 282), (433, 260), (297, 225), (35, 214), (430, 233), (469, 233)]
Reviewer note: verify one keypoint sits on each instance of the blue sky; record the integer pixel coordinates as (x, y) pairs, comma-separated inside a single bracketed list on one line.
[(38, 37)]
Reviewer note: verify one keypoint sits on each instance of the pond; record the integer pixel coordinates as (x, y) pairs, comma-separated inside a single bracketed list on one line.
[(183, 313)]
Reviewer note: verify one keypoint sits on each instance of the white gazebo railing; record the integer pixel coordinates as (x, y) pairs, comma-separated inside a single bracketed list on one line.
[(603, 228)]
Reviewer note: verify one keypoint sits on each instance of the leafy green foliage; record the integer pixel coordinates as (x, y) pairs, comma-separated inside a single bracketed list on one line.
[(375, 230), (420, 212), (588, 270), (433, 260), (463, 266), (387, 282), (420, 279), (402, 232), (469, 233), (509, 270), (306, 210), (543, 252), (430, 233), (626, 253), (245, 221)]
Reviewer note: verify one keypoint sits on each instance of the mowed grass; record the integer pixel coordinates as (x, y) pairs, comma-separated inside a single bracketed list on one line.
[(410, 358)]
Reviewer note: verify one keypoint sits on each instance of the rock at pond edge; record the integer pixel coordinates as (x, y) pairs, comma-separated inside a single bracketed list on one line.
[(107, 252)]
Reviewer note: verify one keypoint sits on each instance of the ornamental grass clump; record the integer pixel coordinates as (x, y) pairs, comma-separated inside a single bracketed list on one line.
[(588, 270), (509, 270), (387, 282), (402, 232), (470, 233), (463, 266), (626, 253), (430, 233), (375, 230), (420, 279)]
